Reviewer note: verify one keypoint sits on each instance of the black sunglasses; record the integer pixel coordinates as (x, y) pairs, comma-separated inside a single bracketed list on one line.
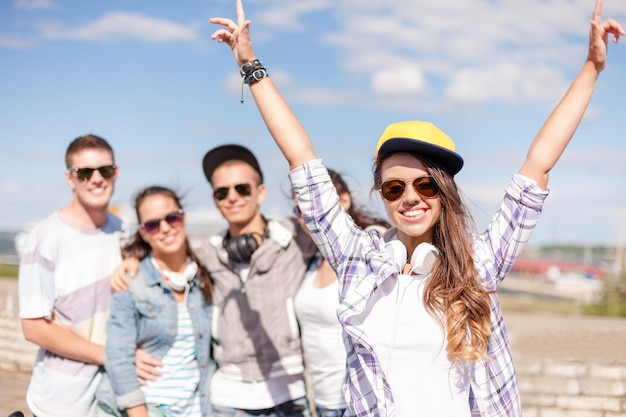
[(243, 190), (174, 219), (394, 189), (85, 174)]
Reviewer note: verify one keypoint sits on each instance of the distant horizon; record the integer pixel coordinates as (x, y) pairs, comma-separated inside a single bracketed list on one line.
[(9, 235)]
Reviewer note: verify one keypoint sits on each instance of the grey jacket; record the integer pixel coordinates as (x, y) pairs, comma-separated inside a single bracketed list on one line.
[(255, 332)]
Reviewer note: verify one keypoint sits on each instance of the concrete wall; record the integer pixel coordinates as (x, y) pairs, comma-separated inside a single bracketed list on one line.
[(16, 354), (559, 388)]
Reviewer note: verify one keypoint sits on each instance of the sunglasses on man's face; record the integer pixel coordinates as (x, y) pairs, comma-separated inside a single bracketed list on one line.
[(85, 174), (424, 186), (174, 219), (243, 190)]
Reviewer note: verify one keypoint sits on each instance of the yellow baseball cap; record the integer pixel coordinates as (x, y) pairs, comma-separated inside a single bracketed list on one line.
[(420, 138)]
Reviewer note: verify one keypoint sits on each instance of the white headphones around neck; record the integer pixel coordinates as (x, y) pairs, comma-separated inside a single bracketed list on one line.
[(422, 258), (179, 280)]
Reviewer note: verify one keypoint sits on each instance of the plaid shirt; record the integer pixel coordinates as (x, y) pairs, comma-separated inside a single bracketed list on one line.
[(362, 264)]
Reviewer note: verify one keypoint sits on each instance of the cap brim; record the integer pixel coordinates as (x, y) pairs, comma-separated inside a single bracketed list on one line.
[(451, 161)]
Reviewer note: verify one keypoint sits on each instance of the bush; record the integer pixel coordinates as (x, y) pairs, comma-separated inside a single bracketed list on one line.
[(613, 302)]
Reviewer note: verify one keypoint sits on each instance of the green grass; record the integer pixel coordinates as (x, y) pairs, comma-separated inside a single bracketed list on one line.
[(612, 303), (8, 270), (527, 304)]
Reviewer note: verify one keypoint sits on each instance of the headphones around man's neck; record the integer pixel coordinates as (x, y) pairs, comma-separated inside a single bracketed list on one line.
[(240, 248)]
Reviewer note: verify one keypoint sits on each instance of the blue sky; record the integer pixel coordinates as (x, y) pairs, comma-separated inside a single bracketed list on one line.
[(145, 75)]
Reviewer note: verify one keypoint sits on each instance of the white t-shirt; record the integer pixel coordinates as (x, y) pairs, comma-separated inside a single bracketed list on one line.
[(64, 277), (422, 378), (322, 341), (233, 393)]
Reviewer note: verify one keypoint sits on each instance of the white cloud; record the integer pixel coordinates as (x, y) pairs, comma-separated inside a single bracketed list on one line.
[(287, 15), (404, 80), (15, 41), (233, 84), (34, 4), (507, 82), (485, 84), (600, 161), (461, 47), (542, 84), (116, 26)]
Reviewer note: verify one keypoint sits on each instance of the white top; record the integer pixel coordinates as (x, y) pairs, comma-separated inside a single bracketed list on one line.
[(177, 389), (322, 341), (422, 378), (233, 393)]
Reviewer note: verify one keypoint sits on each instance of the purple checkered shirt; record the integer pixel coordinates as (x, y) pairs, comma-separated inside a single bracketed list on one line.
[(362, 264)]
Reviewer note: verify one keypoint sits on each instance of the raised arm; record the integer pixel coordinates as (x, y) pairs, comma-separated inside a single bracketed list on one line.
[(558, 130), (281, 122)]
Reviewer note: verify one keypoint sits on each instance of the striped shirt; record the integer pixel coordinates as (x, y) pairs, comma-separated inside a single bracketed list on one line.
[(176, 391), (362, 265), (64, 277)]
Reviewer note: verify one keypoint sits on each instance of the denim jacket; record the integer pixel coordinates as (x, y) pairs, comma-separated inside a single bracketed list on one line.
[(146, 317)]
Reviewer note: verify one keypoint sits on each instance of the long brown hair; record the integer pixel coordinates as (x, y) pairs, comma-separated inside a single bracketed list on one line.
[(139, 248), (454, 294)]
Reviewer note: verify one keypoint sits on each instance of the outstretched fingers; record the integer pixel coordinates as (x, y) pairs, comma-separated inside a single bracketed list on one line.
[(614, 27), (235, 35), (599, 37), (229, 27), (606, 27), (223, 21)]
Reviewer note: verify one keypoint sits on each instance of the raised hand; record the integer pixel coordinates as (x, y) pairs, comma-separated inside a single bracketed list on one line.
[(236, 35), (558, 130), (599, 36)]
